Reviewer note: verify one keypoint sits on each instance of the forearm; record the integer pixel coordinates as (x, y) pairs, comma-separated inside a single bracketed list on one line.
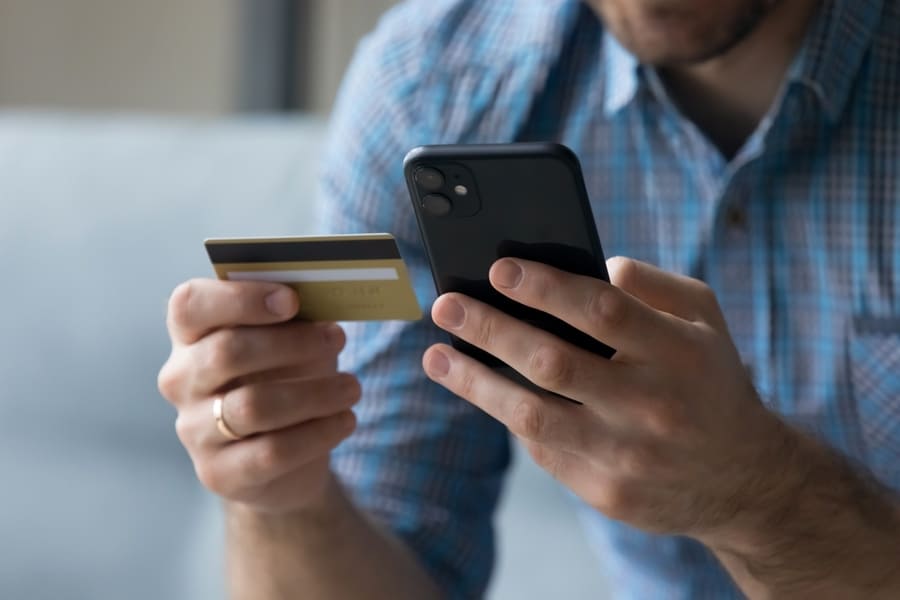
[(834, 534), (335, 552)]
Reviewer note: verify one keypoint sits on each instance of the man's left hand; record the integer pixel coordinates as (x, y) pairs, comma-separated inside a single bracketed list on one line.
[(670, 435)]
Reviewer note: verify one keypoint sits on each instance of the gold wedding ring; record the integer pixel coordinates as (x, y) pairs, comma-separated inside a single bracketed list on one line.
[(219, 415)]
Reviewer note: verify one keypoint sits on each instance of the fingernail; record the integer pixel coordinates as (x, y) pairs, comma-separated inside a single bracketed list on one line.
[(507, 274), (451, 314), (438, 364), (281, 303)]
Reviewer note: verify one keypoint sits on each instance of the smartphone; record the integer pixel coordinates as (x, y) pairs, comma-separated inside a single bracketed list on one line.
[(478, 203)]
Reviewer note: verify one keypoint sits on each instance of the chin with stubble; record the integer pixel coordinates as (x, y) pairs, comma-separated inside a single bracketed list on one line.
[(679, 32)]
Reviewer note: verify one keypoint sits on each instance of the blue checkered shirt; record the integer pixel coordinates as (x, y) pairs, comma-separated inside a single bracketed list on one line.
[(798, 234)]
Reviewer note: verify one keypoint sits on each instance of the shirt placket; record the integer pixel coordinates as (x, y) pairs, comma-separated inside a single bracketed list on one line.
[(739, 271), (731, 242)]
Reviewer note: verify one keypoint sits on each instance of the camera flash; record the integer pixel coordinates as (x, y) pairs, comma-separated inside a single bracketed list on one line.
[(461, 190)]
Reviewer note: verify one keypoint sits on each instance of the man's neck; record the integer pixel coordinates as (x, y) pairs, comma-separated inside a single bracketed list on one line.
[(727, 96)]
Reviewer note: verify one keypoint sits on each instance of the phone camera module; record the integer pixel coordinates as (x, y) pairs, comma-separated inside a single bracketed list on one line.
[(437, 205), (430, 180)]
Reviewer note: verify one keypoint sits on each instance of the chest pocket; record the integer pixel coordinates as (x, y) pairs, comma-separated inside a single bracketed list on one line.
[(875, 378)]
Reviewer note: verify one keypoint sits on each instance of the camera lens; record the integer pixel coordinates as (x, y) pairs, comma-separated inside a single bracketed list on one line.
[(437, 205), (431, 180)]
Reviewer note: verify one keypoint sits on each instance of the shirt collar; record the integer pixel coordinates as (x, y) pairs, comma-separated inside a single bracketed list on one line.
[(620, 69), (831, 55), (828, 62)]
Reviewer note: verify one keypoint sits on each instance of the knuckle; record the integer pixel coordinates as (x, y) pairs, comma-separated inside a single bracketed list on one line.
[(545, 458), (592, 307), (335, 340), (244, 408), (702, 338), (551, 367), (485, 332), (541, 455), (614, 500), (542, 286), (704, 291), (267, 457), (180, 304), (549, 460), (211, 478), (238, 299), (694, 351), (350, 386), (528, 419), (705, 297), (184, 431), (168, 381), (608, 307), (342, 427), (634, 461), (225, 350), (664, 418), (467, 383)]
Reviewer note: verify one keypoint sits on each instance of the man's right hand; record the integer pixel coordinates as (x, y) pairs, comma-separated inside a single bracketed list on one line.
[(280, 390)]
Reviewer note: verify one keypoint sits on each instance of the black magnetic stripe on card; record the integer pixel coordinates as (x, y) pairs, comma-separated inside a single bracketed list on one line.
[(272, 252)]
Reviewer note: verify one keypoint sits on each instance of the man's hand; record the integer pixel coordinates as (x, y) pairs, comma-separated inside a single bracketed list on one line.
[(291, 529), (279, 388), (670, 437)]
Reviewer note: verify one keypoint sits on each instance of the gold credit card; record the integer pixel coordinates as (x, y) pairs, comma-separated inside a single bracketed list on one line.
[(338, 277)]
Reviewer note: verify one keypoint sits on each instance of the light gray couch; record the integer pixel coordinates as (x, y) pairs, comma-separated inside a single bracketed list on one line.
[(100, 217)]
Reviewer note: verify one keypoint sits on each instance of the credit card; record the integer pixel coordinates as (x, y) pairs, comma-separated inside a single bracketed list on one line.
[(338, 277)]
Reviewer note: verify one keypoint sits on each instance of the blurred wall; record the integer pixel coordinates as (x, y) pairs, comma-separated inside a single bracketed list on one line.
[(333, 28), (184, 56), (168, 55)]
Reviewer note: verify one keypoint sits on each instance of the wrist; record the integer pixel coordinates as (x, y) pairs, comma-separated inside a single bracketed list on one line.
[(822, 529), (776, 486), (323, 510)]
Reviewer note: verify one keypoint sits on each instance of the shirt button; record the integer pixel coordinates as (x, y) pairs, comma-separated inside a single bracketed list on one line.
[(736, 217)]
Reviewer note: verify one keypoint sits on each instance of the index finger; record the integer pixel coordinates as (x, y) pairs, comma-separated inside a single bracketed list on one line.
[(201, 306), (591, 305)]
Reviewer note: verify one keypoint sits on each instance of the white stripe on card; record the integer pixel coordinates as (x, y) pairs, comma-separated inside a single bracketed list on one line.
[(316, 275)]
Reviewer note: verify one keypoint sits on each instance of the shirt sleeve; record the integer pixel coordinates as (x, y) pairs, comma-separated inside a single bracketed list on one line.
[(423, 462)]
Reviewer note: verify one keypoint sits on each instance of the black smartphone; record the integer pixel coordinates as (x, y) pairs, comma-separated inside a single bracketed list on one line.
[(478, 203)]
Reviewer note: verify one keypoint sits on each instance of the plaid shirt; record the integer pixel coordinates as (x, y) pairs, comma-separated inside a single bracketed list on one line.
[(799, 235)]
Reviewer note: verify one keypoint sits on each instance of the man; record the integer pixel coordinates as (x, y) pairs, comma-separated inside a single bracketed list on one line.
[(745, 439)]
